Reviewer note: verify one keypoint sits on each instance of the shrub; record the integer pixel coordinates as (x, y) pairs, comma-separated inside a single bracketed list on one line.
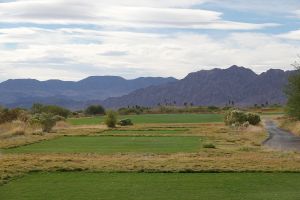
[(59, 118), (235, 117), (111, 119), (45, 120), (239, 118), (50, 109), (125, 122), (9, 115), (95, 110), (253, 119), (23, 116), (209, 146), (213, 108)]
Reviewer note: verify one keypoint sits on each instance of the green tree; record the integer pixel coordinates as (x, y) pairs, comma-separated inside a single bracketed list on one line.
[(111, 119), (293, 93), (95, 110)]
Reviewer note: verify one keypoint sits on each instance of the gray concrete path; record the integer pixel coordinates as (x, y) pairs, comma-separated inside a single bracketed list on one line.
[(281, 139)]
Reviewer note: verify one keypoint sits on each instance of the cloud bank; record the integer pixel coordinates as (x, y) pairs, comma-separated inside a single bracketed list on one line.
[(69, 40)]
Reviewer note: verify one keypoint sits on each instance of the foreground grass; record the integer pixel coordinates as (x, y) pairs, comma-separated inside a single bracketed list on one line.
[(153, 186), (155, 118), (112, 144)]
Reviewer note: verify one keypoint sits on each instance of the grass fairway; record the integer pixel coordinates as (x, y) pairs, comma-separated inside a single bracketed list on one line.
[(155, 118), (145, 132), (113, 144), (157, 186)]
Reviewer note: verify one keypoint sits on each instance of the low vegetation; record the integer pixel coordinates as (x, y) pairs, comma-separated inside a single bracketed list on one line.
[(125, 122), (46, 120), (241, 118), (50, 109), (9, 115), (111, 119)]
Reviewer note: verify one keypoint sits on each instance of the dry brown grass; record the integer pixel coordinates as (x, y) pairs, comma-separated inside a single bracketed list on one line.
[(206, 161), (17, 133), (290, 125)]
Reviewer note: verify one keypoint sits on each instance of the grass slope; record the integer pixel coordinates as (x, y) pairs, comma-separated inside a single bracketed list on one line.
[(112, 144), (158, 186), (155, 118)]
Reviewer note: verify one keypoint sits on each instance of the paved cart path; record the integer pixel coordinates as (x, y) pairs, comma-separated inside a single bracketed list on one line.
[(281, 139)]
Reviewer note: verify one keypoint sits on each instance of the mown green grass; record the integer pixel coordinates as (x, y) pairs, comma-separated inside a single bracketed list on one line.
[(112, 144), (154, 118), (144, 132), (155, 186)]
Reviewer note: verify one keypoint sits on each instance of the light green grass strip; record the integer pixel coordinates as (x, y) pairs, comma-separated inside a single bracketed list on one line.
[(113, 144), (154, 118)]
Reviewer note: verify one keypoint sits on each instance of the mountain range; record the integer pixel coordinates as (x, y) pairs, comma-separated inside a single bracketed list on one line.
[(73, 95), (218, 87)]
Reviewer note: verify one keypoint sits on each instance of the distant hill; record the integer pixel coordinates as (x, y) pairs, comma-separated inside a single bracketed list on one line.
[(73, 95), (212, 87)]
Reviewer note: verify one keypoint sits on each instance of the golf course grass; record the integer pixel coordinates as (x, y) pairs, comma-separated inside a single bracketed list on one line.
[(144, 132), (154, 118), (153, 186), (112, 144)]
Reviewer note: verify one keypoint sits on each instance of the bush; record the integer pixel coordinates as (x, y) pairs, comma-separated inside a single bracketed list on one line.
[(111, 119), (235, 117), (239, 118), (213, 108), (9, 115), (45, 120), (23, 116), (59, 118), (95, 110), (253, 119), (125, 122), (50, 109), (209, 146)]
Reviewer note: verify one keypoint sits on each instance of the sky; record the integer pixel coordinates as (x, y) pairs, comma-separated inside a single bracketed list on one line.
[(73, 39)]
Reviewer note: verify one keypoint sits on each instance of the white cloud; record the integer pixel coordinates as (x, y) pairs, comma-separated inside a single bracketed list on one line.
[(297, 13), (292, 35), (120, 14), (126, 44), (142, 54)]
